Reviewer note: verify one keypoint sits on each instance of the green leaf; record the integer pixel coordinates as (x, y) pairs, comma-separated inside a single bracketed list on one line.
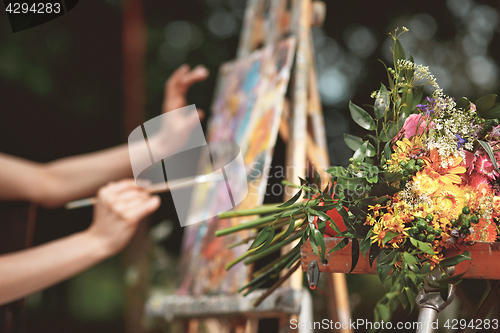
[(314, 245), (411, 261), (403, 300), (361, 117), (354, 253), (399, 52), (392, 177), (344, 214), (424, 247), (382, 102), (292, 200), (383, 267), (387, 151), (268, 242), (417, 96), (354, 142), (411, 297), (426, 268), (350, 184), (374, 252), (485, 103), (443, 289), (365, 246), (408, 108), (337, 171), (463, 103), (360, 154), (289, 230), (388, 236), (492, 113), (332, 223), (452, 261), (490, 153), (340, 245), (262, 237), (385, 313), (320, 242)]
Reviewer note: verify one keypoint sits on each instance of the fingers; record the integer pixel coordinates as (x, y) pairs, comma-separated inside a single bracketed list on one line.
[(176, 77), (139, 209), (199, 73), (183, 78), (113, 188), (128, 200)]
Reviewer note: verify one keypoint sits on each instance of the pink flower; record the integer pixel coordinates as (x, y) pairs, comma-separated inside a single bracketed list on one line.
[(470, 158), (485, 166), (476, 180), (416, 124), (472, 107)]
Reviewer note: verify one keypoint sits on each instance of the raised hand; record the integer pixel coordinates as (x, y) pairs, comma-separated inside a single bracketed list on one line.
[(176, 129), (178, 85)]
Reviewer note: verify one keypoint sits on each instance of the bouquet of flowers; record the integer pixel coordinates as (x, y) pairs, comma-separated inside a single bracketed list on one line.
[(423, 181)]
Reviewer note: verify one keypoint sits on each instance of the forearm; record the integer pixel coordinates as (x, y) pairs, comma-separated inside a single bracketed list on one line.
[(31, 270), (81, 176)]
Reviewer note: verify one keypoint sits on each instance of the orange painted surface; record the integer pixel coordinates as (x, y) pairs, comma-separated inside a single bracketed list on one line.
[(485, 263)]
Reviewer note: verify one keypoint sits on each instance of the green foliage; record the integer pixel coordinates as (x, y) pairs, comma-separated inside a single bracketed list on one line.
[(355, 142), (361, 117)]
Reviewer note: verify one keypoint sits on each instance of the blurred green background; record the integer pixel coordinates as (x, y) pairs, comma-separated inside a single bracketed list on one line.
[(62, 94)]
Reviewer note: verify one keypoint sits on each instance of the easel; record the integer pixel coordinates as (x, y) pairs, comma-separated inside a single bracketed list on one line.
[(302, 116)]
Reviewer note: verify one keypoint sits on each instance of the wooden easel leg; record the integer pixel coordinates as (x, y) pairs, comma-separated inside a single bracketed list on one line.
[(252, 325), (338, 305), (193, 326)]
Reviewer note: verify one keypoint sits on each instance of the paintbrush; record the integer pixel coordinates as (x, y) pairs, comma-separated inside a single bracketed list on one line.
[(175, 184)]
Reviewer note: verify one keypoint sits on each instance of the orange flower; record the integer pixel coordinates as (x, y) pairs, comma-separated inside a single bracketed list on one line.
[(448, 175), (450, 200)]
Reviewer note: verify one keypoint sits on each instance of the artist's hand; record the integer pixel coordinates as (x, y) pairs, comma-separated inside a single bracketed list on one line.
[(175, 129), (178, 85), (119, 209)]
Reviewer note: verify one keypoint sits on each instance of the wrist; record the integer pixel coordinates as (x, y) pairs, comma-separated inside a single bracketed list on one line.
[(98, 246)]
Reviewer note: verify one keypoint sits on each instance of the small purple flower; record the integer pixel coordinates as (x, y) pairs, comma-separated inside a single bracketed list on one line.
[(462, 235), (455, 232), (429, 107), (460, 141)]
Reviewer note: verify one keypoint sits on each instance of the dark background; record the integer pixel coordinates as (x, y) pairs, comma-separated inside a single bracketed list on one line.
[(61, 93)]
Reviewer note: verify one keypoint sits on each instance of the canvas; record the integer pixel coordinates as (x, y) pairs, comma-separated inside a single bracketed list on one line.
[(246, 110)]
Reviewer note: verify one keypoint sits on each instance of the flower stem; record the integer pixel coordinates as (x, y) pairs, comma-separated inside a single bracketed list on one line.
[(273, 248), (256, 223), (266, 209)]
